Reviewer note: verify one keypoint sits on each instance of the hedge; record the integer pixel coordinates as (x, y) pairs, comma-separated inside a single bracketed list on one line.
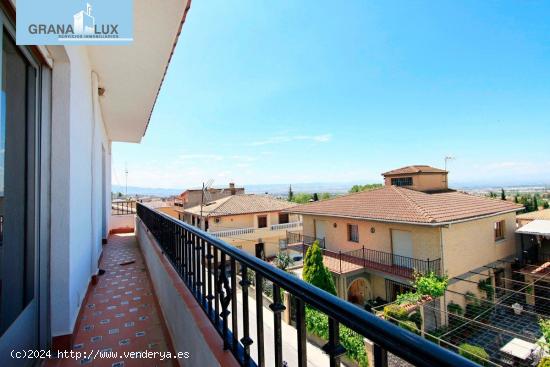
[(317, 324), (395, 312), (473, 353)]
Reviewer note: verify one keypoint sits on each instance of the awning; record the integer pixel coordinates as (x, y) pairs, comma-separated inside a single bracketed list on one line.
[(537, 227)]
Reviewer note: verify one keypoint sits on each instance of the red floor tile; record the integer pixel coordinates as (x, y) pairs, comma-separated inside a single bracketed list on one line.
[(121, 313)]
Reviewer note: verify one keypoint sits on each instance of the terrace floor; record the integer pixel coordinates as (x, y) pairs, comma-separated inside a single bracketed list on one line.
[(120, 313)]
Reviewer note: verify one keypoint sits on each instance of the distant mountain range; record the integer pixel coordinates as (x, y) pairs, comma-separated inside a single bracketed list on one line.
[(319, 187)]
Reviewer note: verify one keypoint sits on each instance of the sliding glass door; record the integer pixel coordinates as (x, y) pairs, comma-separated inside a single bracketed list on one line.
[(19, 272)]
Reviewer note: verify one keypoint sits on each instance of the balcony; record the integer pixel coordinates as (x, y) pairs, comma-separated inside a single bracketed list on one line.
[(364, 258), (218, 279), (257, 231)]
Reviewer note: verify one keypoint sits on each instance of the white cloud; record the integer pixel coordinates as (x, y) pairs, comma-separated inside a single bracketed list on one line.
[(323, 138)]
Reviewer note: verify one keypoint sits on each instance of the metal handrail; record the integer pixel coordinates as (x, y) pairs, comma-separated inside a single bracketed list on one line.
[(123, 207), (190, 251)]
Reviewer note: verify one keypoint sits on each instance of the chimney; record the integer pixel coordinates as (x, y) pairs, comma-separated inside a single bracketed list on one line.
[(232, 188)]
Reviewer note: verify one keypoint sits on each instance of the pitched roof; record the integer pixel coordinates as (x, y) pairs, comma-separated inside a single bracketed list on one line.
[(241, 204), (398, 204), (540, 214), (420, 168)]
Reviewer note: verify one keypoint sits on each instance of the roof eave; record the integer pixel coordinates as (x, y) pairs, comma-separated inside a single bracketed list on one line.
[(427, 224)]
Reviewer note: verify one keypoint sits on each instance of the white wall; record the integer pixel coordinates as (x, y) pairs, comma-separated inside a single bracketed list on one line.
[(78, 137)]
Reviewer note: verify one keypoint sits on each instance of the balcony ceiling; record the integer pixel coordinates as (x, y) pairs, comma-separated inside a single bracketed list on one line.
[(132, 75)]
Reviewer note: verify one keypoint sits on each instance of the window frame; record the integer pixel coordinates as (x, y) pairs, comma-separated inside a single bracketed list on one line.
[(262, 217), (402, 181), (499, 228), (351, 237), (284, 215)]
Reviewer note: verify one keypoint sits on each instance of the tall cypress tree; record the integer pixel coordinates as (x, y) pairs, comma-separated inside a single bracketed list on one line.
[(315, 272), (290, 193), (502, 194)]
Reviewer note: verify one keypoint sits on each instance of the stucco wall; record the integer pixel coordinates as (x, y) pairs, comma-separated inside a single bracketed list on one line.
[(426, 240), (240, 221), (471, 244), (423, 182), (78, 184)]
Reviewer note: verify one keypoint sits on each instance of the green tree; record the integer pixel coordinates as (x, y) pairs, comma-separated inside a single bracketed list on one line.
[(283, 261), (325, 196), (315, 197), (359, 188), (302, 198), (545, 204), (315, 272), (502, 194), (290, 193), (535, 204), (516, 199)]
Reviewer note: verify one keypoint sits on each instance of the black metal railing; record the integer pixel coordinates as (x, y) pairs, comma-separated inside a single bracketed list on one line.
[(296, 238), (123, 207), (395, 264), (210, 267), (344, 262)]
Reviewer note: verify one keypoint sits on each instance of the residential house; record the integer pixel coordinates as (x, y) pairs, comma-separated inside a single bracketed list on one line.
[(523, 219), (375, 240), (246, 220), (193, 197)]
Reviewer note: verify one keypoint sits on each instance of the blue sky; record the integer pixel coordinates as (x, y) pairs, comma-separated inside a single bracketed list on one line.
[(317, 91)]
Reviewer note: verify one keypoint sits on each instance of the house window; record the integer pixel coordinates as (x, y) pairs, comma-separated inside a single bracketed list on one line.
[(353, 233), (262, 221), (499, 230), (283, 218), (402, 181)]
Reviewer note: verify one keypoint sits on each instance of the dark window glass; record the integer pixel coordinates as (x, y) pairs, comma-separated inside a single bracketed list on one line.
[(283, 218), (402, 181), (17, 114), (262, 221)]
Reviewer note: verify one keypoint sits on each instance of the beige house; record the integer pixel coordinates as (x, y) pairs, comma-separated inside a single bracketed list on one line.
[(246, 220), (375, 240), (193, 197), (525, 218)]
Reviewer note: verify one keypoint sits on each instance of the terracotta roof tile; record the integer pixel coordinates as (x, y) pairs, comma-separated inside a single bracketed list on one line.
[(397, 204), (540, 214), (241, 204), (420, 168)]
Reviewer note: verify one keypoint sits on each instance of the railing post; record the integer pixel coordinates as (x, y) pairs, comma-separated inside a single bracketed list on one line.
[(364, 260), (380, 356), (333, 347), (301, 332), (277, 307), (340, 256)]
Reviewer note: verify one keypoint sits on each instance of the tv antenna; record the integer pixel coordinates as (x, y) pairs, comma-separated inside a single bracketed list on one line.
[(206, 196), (448, 158)]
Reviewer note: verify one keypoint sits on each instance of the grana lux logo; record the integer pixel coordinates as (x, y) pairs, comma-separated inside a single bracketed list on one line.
[(83, 27)]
